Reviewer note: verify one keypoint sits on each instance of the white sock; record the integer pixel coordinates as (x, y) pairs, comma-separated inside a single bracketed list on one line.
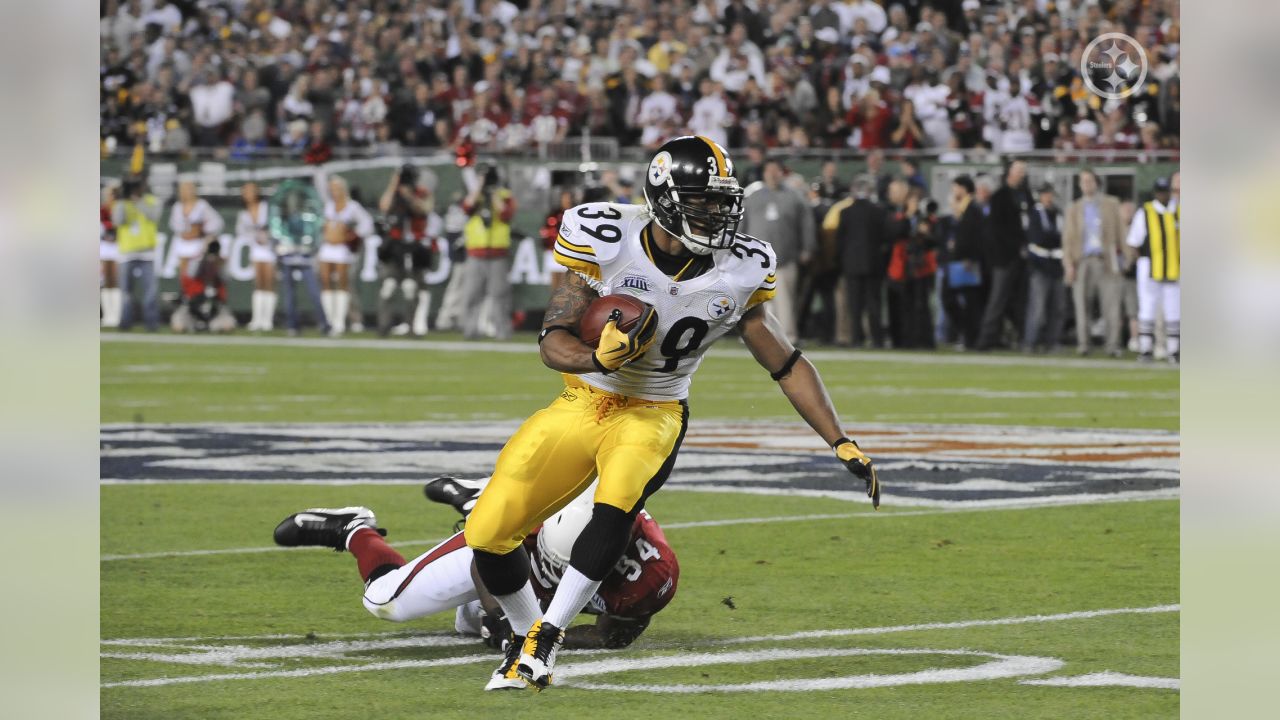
[(117, 305), (341, 304), (521, 607), (327, 304), (268, 310), (571, 596), (255, 319), (112, 299), (422, 313)]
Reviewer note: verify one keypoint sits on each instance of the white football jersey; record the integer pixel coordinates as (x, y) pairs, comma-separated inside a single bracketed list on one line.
[(602, 242)]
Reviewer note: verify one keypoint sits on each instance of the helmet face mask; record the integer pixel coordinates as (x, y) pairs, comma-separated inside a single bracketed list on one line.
[(692, 194)]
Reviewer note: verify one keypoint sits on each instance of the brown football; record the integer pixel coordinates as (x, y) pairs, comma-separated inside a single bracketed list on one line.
[(597, 315)]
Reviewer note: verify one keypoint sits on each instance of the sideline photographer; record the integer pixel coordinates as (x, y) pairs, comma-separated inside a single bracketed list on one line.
[(490, 206), (410, 228)]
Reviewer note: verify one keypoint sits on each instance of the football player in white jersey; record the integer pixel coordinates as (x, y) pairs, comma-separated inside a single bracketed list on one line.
[(623, 413)]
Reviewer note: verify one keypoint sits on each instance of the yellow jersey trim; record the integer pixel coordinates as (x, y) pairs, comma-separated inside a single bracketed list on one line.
[(584, 249), (760, 295), (715, 150), (586, 267)]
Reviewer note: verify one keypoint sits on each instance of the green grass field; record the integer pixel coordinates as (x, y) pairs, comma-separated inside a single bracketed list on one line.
[(279, 619)]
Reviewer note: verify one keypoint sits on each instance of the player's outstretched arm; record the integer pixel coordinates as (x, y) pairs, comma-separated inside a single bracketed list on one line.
[(802, 385), (607, 632), (559, 344)]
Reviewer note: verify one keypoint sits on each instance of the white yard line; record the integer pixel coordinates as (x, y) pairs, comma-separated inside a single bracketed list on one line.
[(588, 667), (1023, 620), (1021, 505), (531, 347), (1109, 679)]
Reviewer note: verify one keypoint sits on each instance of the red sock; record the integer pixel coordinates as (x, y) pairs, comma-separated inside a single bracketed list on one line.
[(372, 552), (191, 287)]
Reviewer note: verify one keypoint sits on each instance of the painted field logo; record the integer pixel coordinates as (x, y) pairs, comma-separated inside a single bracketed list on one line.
[(1113, 66)]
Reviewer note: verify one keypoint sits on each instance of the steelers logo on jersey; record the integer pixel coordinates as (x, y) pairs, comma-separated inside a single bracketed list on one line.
[(660, 168), (721, 306)]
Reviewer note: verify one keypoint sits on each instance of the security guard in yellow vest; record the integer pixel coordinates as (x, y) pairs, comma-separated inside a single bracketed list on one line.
[(1154, 237), (136, 216), (487, 235)]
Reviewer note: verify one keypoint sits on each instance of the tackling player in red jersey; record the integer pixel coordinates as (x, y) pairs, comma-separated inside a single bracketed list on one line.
[(443, 578)]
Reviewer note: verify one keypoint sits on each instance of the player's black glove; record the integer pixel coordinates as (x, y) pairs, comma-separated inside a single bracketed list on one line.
[(495, 631), (617, 348), (860, 465)]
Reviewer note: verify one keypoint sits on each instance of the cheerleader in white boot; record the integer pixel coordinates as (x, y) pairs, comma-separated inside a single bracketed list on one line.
[(251, 223), (346, 224)]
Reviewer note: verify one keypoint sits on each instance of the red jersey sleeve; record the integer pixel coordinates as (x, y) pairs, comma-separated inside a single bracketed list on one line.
[(644, 580)]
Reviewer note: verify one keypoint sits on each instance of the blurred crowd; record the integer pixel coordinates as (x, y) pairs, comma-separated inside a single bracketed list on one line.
[(315, 79), (1002, 264)]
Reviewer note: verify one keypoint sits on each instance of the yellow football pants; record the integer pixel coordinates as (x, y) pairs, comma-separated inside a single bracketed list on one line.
[(629, 443)]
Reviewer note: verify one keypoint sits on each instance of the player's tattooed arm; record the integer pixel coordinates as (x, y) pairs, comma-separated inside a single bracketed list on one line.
[(764, 337), (560, 350)]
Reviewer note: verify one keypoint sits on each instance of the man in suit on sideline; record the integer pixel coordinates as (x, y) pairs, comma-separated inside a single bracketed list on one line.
[(1091, 237)]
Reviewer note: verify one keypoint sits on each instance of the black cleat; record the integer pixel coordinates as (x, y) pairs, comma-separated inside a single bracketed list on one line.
[(325, 527), (460, 494)]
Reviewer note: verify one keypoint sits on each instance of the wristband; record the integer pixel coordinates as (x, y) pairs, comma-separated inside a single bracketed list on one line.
[(600, 368), (552, 328), (786, 367)]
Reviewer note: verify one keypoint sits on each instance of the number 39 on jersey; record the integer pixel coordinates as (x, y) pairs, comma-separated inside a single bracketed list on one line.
[(602, 242)]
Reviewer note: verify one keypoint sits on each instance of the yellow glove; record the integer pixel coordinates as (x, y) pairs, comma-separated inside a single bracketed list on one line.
[(617, 348), (859, 464)]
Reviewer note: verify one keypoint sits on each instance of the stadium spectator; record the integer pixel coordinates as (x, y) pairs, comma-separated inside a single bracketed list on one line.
[(251, 225), (212, 104), (962, 290), (136, 216), (347, 66), (823, 275), (781, 216), (1003, 247), (1046, 294), (1091, 239), (857, 226)]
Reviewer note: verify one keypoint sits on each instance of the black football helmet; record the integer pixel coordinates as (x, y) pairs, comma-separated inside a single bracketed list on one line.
[(692, 193)]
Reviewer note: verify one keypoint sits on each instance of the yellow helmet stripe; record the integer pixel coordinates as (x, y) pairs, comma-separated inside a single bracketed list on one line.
[(715, 150)]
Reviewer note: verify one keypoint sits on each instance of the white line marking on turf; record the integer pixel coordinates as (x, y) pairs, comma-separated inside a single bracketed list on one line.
[(1109, 679), (1000, 666), (978, 507), (1026, 619), (488, 657), (238, 655), (724, 351)]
